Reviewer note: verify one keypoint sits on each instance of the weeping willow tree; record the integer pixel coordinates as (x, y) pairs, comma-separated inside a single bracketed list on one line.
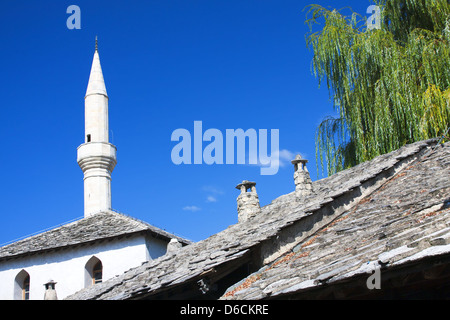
[(389, 86)]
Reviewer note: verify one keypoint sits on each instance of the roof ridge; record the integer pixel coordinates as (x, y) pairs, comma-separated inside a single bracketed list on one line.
[(126, 217), (148, 225), (37, 233)]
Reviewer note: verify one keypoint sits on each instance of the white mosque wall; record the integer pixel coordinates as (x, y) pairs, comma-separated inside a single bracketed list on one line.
[(67, 267)]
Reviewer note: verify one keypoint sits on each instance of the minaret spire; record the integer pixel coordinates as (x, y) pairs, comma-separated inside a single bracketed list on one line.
[(96, 157), (96, 83), (96, 43)]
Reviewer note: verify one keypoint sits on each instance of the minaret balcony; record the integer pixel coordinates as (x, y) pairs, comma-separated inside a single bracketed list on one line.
[(97, 155)]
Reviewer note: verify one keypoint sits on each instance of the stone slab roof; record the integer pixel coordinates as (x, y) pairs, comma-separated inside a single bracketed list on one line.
[(288, 222), (100, 226), (405, 220)]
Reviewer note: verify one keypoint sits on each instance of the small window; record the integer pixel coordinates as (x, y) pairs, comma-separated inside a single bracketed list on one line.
[(97, 273), (26, 288), (93, 272), (88, 138), (22, 286)]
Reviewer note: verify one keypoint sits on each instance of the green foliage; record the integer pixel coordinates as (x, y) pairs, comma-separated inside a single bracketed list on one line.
[(390, 86)]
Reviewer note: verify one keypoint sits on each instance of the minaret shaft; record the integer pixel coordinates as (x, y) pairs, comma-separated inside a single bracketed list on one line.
[(96, 118), (96, 157)]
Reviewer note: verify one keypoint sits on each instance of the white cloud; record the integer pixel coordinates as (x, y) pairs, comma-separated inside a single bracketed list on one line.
[(212, 193), (192, 208), (212, 189), (284, 158)]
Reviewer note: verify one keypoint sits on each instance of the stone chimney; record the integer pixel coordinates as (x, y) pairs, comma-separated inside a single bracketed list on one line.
[(50, 292), (248, 201), (303, 183), (173, 245)]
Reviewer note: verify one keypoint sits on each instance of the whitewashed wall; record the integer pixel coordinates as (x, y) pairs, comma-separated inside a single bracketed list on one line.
[(67, 266)]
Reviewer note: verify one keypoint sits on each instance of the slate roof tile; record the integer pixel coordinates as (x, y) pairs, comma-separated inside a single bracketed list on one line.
[(375, 232), (104, 225), (380, 225)]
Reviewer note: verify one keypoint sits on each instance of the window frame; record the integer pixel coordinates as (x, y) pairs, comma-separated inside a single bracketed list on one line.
[(26, 288), (97, 270)]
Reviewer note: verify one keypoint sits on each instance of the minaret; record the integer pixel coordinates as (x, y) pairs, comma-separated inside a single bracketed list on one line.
[(96, 157)]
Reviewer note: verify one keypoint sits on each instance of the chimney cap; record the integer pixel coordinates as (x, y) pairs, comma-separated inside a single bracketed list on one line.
[(50, 282), (299, 159), (246, 183)]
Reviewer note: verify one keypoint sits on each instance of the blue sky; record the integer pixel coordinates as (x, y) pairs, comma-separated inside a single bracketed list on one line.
[(167, 63)]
